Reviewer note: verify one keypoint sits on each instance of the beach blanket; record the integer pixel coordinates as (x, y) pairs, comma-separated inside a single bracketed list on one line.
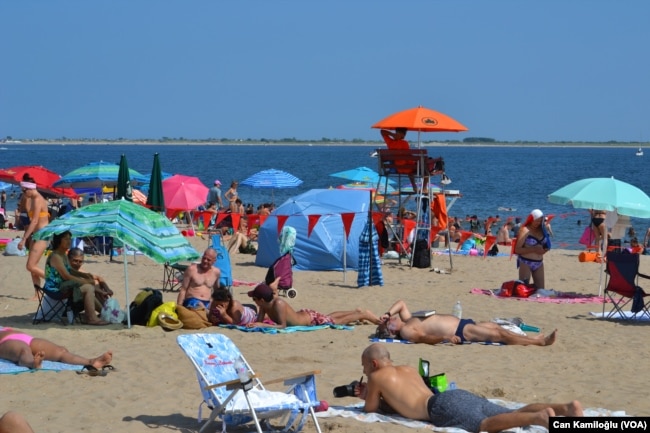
[(466, 253), (356, 411), (551, 296), (397, 340), (287, 330), (236, 283), (8, 367), (641, 316)]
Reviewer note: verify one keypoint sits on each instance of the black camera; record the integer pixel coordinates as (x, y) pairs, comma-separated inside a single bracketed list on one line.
[(346, 390)]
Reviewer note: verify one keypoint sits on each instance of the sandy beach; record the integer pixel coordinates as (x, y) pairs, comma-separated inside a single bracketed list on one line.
[(154, 385)]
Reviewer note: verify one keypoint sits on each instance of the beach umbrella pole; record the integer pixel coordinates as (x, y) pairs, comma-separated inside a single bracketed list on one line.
[(126, 286)]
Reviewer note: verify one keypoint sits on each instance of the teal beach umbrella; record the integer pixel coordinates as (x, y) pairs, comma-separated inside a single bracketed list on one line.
[(135, 226), (124, 181), (155, 197), (97, 175), (604, 193)]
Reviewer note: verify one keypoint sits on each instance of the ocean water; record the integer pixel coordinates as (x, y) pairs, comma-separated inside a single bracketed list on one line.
[(489, 178)]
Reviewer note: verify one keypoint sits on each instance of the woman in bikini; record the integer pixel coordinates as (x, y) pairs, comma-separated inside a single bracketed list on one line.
[(231, 195), (599, 228), (28, 351), (39, 217), (532, 244)]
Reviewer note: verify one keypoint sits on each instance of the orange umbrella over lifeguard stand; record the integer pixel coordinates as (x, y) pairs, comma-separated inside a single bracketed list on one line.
[(420, 119)]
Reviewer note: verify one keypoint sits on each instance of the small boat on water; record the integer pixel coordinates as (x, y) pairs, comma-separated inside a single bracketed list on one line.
[(639, 152)]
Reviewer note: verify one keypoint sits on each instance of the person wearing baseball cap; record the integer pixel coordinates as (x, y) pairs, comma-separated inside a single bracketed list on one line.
[(280, 312), (214, 195), (531, 245)]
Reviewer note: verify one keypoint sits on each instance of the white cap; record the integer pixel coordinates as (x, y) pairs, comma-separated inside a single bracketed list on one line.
[(536, 213)]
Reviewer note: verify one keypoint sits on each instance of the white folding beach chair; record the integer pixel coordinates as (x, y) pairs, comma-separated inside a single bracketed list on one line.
[(214, 357)]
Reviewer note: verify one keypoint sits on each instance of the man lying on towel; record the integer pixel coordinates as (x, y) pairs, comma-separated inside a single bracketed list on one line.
[(400, 389), (280, 312), (399, 322)]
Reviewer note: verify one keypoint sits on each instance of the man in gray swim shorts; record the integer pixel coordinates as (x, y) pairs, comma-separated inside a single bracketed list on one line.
[(400, 389)]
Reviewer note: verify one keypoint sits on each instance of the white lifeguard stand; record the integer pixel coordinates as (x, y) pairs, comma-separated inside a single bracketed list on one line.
[(418, 168)]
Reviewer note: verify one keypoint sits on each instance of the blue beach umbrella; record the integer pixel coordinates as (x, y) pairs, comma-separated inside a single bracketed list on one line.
[(272, 179), (135, 226), (361, 174), (97, 175)]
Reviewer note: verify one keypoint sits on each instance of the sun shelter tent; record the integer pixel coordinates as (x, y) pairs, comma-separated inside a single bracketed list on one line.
[(319, 217)]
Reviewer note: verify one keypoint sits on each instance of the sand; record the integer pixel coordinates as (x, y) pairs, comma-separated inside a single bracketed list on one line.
[(598, 362)]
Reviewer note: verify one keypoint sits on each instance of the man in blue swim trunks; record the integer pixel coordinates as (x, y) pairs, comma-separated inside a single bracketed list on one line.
[(199, 280), (437, 328), (400, 389)]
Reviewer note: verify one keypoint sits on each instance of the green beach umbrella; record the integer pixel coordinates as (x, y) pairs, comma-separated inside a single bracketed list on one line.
[(136, 226), (155, 197), (124, 181)]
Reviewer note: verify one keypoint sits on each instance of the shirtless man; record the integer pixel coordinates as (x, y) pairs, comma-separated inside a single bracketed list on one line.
[(28, 351), (399, 388), (199, 281), (39, 218), (442, 327), (280, 312)]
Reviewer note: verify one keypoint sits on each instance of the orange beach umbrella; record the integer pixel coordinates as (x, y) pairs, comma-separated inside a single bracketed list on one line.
[(420, 119)]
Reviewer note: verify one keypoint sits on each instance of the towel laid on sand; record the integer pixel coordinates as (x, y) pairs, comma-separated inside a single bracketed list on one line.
[(627, 315), (397, 340), (356, 411), (286, 330), (8, 367), (553, 297)]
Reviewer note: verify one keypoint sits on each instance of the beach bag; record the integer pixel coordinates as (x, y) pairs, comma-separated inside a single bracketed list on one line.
[(421, 254), (523, 290), (507, 288), (111, 312), (143, 305), (193, 318), (169, 308), (12, 248)]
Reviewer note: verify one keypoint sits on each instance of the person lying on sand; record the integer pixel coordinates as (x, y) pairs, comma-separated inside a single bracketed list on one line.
[(28, 351), (280, 312), (400, 389), (434, 329)]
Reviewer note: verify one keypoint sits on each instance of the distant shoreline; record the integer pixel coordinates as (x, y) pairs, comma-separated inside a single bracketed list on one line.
[(315, 144)]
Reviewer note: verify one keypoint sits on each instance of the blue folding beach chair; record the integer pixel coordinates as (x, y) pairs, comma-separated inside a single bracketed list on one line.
[(214, 357), (223, 262)]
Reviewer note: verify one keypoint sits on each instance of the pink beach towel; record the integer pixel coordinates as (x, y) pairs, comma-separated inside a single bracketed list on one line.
[(558, 298)]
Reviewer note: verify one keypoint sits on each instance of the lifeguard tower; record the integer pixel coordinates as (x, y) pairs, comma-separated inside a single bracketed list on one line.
[(416, 166)]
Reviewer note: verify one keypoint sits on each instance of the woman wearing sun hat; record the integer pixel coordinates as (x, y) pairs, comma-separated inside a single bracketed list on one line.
[(531, 245)]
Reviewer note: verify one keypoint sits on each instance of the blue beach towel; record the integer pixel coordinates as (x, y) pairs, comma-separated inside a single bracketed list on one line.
[(8, 367)]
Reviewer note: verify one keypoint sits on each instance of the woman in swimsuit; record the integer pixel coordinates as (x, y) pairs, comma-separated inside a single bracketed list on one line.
[(28, 351), (231, 195), (598, 225), (532, 244), (228, 311), (60, 278), (39, 218)]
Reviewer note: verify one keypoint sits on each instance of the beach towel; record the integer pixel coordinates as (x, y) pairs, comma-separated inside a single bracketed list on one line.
[(356, 411), (397, 340), (549, 296), (287, 330), (641, 316), (8, 367)]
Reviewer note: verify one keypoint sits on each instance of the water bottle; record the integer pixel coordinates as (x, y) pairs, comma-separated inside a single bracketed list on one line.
[(242, 374), (457, 310)]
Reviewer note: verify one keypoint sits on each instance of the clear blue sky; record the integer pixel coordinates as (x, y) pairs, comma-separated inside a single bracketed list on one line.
[(511, 70)]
